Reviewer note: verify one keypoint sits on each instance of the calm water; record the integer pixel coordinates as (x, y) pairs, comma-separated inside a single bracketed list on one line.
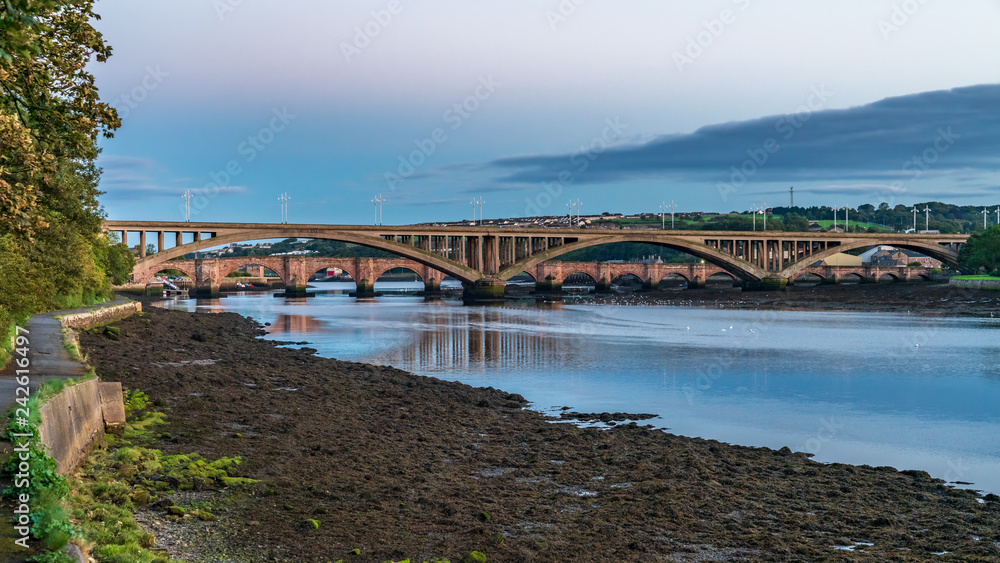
[(848, 387)]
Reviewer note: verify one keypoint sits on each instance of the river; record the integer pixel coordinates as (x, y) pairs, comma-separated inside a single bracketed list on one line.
[(907, 391)]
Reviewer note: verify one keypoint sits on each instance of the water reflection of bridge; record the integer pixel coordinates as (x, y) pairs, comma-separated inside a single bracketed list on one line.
[(500, 337)]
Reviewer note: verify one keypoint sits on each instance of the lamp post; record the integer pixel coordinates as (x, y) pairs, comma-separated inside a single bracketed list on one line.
[(914, 218), (753, 213), (569, 214), (187, 204), (378, 201), (764, 217), (847, 219), (477, 201), (663, 216), (283, 198), (673, 206), (835, 209), (579, 204), (927, 218), (986, 213)]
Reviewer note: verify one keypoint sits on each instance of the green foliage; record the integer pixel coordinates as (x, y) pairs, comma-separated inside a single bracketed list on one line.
[(52, 253), (626, 251), (114, 481), (982, 251)]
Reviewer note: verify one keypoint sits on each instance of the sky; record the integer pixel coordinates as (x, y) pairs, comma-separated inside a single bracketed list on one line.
[(715, 105)]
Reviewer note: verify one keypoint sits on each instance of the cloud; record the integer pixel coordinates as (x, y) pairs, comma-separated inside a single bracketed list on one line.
[(896, 138), (127, 178)]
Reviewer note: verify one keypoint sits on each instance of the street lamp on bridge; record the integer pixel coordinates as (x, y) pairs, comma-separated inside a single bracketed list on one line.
[(283, 198), (378, 201), (187, 204), (477, 201), (927, 218)]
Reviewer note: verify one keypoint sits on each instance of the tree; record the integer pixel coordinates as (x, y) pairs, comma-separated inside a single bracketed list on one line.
[(982, 251), (796, 223), (50, 118)]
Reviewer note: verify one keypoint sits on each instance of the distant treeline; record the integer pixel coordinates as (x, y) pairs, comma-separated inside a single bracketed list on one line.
[(943, 217)]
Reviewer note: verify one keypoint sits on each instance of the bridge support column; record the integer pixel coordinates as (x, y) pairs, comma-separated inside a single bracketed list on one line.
[(602, 285), (486, 290), (432, 283), (768, 284), (549, 284), (207, 280), (650, 284), (697, 282), (365, 280), (295, 276)]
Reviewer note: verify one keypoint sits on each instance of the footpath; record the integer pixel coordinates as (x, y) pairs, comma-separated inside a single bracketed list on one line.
[(49, 359), (47, 354)]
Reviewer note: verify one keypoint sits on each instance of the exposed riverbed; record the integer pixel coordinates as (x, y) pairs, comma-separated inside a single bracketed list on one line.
[(400, 466)]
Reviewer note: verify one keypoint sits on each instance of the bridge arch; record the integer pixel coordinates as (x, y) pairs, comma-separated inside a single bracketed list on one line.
[(148, 277), (592, 280), (443, 265), (889, 276), (346, 266), (851, 277), (674, 276), (396, 267), (620, 277), (740, 269), (933, 250), (261, 261), (809, 278)]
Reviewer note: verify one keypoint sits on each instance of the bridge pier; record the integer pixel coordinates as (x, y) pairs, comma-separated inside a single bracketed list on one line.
[(602, 285), (549, 284), (696, 282), (767, 284), (486, 290), (650, 284), (207, 281)]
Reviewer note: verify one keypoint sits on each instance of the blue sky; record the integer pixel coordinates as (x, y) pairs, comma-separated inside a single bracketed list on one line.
[(715, 105)]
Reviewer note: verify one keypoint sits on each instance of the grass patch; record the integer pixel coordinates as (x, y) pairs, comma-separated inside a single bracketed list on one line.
[(125, 476), (46, 488), (985, 278)]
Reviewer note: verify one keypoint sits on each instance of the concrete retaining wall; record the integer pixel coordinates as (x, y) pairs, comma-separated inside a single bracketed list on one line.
[(71, 422), (975, 284), (75, 419)]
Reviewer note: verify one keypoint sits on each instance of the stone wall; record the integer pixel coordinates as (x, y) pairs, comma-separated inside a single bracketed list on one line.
[(101, 316), (975, 284)]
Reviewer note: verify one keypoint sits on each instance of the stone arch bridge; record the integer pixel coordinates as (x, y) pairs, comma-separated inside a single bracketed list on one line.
[(484, 258)]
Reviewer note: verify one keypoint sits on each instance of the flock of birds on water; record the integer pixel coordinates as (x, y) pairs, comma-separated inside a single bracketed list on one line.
[(633, 299)]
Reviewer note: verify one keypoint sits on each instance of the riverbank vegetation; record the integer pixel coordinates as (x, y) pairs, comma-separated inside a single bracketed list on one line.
[(52, 252), (981, 253)]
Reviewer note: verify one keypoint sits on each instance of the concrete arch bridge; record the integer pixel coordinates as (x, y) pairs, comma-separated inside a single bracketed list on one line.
[(484, 258)]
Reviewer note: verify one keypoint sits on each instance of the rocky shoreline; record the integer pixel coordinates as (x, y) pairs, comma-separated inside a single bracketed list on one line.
[(400, 466)]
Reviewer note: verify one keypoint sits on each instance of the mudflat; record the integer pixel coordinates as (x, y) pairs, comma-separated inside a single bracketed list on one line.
[(402, 466), (915, 298)]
